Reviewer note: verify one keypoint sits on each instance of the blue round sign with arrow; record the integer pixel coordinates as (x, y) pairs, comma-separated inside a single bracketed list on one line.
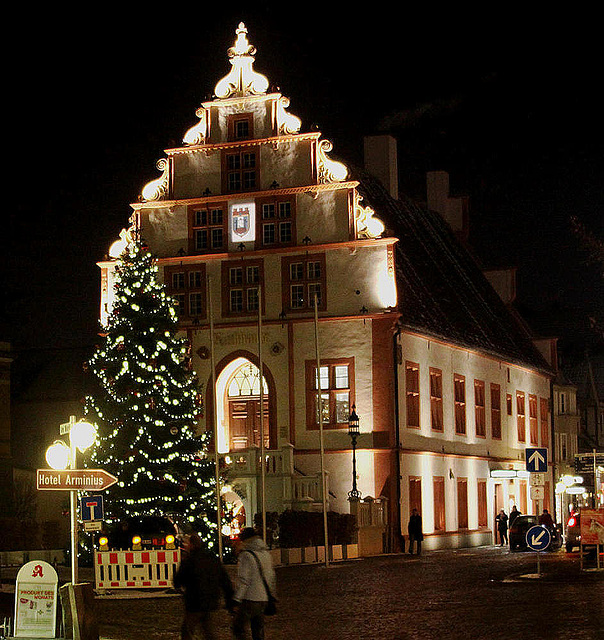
[(538, 538)]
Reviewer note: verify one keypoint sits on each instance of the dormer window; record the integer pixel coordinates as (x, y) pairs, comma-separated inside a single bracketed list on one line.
[(240, 127)]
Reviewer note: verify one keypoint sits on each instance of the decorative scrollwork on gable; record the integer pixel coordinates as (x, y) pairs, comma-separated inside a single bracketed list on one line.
[(367, 225), (198, 133), (329, 170), (287, 123), (158, 188)]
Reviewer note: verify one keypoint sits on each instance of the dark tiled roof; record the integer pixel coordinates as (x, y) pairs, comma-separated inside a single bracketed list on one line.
[(442, 291)]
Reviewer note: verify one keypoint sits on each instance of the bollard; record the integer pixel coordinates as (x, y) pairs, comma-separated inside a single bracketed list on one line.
[(79, 611)]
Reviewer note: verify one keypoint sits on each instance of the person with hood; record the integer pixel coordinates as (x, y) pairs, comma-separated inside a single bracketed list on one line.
[(502, 527), (254, 574), (203, 577)]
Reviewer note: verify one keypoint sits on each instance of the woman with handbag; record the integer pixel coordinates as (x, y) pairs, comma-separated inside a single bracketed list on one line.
[(255, 593)]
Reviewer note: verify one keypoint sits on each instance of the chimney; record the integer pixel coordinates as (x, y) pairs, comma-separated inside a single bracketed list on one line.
[(381, 161), (452, 209), (504, 283)]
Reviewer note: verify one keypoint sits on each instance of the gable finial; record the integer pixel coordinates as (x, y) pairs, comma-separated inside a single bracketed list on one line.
[(242, 80)]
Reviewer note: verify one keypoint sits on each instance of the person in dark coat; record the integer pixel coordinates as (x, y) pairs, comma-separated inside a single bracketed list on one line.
[(514, 513), (415, 531), (202, 577), (502, 527), (546, 519)]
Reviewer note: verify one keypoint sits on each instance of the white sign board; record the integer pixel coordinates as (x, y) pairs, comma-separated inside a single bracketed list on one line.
[(537, 493), (537, 479), (36, 600)]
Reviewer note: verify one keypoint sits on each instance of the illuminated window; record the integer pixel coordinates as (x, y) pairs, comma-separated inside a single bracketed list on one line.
[(439, 503), (482, 503), (495, 411), (336, 378), (240, 126), (436, 399), (533, 424), (415, 494), (459, 384), (544, 422), (479, 409), (240, 170), (241, 283), (207, 228), (303, 278), (412, 391), (277, 219), (187, 285), (520, 419)]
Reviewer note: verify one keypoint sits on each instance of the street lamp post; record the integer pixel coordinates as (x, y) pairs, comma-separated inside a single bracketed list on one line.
[(60, 456), (353, 432)]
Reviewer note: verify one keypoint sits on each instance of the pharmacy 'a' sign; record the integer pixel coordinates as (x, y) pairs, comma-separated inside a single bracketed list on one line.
[(36, 600)]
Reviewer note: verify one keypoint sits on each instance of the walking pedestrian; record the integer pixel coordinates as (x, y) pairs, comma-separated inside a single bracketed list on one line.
[(256, 583), (546, 519), (514, 513), (202, 577), (415, 531), (502, 527)]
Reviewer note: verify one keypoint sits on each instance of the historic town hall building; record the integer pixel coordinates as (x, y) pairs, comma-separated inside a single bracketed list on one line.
[(252, 222)]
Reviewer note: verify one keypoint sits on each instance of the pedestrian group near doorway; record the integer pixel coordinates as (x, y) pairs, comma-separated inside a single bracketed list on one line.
[(203, 579)]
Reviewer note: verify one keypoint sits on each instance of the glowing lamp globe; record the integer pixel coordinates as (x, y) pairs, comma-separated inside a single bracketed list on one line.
[(57, 455), (82, 435)]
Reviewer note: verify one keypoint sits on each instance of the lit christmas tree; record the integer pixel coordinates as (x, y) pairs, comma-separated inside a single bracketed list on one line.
[(147, 405)]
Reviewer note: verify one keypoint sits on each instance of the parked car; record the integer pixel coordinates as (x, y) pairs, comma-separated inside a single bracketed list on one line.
[(145, 532), (518, 530)]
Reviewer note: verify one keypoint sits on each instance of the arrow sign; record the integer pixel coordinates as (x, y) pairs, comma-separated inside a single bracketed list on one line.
[(536, 459), (538, 538), (73, 479)]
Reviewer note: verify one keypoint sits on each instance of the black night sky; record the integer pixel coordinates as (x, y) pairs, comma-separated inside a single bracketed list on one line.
[(508, 104)]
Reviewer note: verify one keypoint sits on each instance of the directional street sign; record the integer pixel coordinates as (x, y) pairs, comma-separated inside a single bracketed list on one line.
[(536, 459), (538, 538), (537, 479), (74, 479), (91, 508), (584, 462)]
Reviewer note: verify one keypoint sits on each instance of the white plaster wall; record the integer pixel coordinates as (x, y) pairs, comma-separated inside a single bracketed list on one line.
[(165, 230), (453, 360), (336, 340), (287, 163), (195, 172), (323, 219), (364, 270), (339, 469)]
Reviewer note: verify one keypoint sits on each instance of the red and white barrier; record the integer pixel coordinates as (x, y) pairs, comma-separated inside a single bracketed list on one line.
[(150, 569)]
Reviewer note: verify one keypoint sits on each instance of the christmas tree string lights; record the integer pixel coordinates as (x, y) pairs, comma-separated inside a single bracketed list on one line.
[(147, 407)]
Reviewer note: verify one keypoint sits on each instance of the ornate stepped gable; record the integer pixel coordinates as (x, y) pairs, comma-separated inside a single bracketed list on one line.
[(241, 90)]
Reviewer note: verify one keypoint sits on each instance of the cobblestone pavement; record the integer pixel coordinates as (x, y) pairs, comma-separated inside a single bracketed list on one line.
[(466, 594)]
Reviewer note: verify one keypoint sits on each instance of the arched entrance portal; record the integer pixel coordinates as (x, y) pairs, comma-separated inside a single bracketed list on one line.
[(238, 400)]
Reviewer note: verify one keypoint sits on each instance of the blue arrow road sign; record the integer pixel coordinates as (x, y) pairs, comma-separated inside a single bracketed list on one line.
[(538, 538), (536, 459), (91, 508)]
